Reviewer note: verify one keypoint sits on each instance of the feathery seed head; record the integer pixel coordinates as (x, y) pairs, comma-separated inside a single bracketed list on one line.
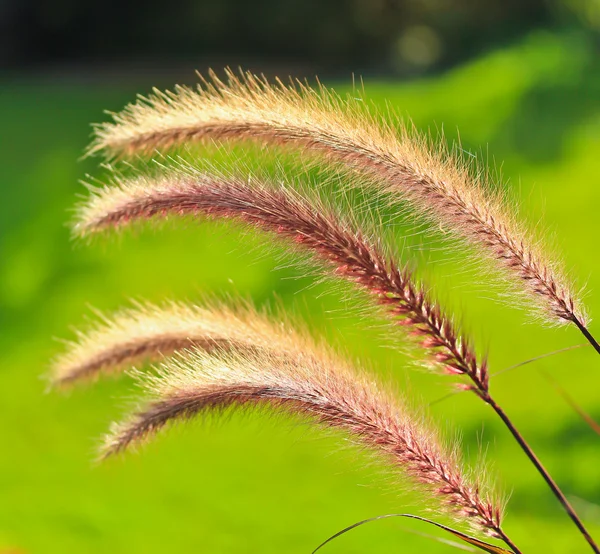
[(324, 390), (311, 225), (147, 333), (398, 162)]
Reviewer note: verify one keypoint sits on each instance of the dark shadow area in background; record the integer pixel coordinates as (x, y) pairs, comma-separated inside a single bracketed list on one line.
[(374, 37)]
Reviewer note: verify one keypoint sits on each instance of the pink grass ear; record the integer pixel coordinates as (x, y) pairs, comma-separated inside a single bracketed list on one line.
[(400, 163), (320, 230), (324, 390)]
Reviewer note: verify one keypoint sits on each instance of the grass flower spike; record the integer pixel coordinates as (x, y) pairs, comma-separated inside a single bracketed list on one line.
[(148, 333), (310, 225), (321, 388), (399, 162)]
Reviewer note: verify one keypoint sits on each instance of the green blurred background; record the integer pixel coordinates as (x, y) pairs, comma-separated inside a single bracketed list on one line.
[(520, 81)]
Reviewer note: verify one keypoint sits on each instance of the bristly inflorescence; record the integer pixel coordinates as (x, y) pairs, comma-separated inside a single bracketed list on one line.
[(323, 389), (146, 332), (310, 225), (399, 162)]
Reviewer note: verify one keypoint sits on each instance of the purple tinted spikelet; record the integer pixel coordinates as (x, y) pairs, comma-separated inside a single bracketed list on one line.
[(324, 390), (401, 163), (308, 225)]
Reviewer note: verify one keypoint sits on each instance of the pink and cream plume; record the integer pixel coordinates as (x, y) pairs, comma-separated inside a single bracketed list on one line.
[(397, 162), (311, 226), (146, 333), (324, 390)]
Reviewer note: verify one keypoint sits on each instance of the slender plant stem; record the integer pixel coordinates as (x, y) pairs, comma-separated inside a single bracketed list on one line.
[(508, 542), (587, 334), (542, 471)]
